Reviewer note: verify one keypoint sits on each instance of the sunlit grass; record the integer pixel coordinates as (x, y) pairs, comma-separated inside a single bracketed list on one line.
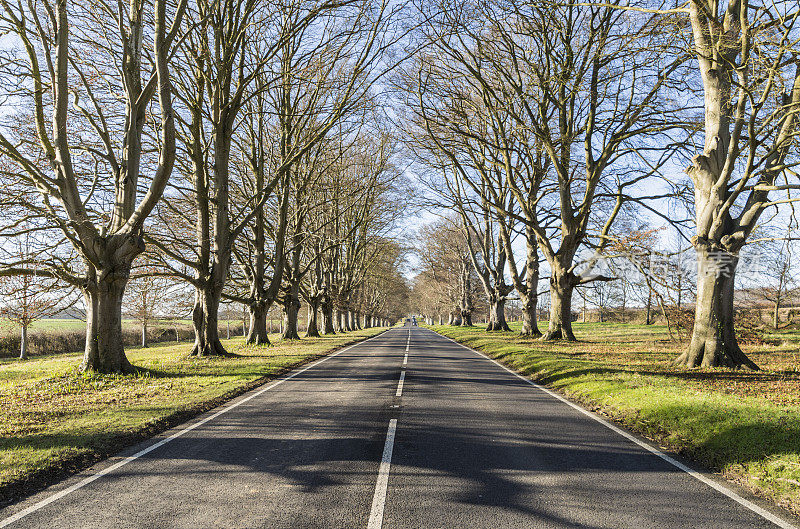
[(52, 416), (744, 424)]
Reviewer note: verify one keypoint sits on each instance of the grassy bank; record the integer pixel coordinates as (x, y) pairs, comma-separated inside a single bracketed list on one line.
[(744, 425), (54, 420)]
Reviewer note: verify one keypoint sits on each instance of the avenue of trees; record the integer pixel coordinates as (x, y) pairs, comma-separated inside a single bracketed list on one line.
[(555, 132), (256, 153), (237, 147)]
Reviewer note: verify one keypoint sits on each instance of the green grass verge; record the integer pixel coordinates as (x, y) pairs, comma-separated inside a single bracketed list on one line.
[(55, 420), (732, 422)]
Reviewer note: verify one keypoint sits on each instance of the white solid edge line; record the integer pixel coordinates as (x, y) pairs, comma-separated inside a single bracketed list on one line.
[(400, 383), (379, 499), (57, 496), (697, 475), (405, 359)]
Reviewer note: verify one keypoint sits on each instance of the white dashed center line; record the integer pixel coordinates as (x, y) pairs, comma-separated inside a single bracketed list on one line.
[(379, 499), (400, 384)]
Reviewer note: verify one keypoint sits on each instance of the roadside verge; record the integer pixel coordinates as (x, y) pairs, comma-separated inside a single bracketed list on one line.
[(748, 439), (55, 422)]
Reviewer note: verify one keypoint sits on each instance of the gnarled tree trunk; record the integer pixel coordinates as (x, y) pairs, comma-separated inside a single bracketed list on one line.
[(326, 308), (497, 313), (714, 341), (338, 323), (562, 285), (530, 296), (312, 331), (291, 307), (257, 330), (105, 352), (205, 317), (530, 326)]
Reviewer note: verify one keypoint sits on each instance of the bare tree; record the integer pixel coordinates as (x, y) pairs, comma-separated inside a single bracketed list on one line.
[(28, 298), (146, 295), (94, 173), (779, 285), (556, 92), (747, 60)]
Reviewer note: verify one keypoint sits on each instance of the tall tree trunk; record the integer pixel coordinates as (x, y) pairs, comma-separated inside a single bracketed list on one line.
[(105, 352), (144, 333), (584, 309), (197, 321), (466, 293), (326, 308), (290, 310), (530, 298), (714, 341), (561, 288), (497, 313), (367, 321), (23, 342), (776, 314), (530, 326), (313, 309), (207, 342), (337, 320), (213, 345), (356, 317), (258, 334)]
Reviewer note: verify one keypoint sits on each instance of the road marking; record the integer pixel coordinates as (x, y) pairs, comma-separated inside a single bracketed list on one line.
[(697, 475), (379, 499), (57, 496), (405, 359), (400, 384)]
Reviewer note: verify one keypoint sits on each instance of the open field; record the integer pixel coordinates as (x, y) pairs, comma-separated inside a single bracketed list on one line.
[(57, 324), (745, 425), (54, 420), (59, 336)]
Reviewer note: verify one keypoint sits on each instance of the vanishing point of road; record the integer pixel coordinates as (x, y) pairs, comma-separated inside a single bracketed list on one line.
[(405, 430)]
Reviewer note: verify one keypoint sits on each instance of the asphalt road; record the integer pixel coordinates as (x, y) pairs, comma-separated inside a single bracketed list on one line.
[(407, 430)]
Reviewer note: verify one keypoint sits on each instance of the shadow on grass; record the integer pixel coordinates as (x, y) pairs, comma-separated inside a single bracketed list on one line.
[(667, 372), (729, 436)]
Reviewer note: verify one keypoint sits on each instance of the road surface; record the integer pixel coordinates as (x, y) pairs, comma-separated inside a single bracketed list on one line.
[(406, 430)]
